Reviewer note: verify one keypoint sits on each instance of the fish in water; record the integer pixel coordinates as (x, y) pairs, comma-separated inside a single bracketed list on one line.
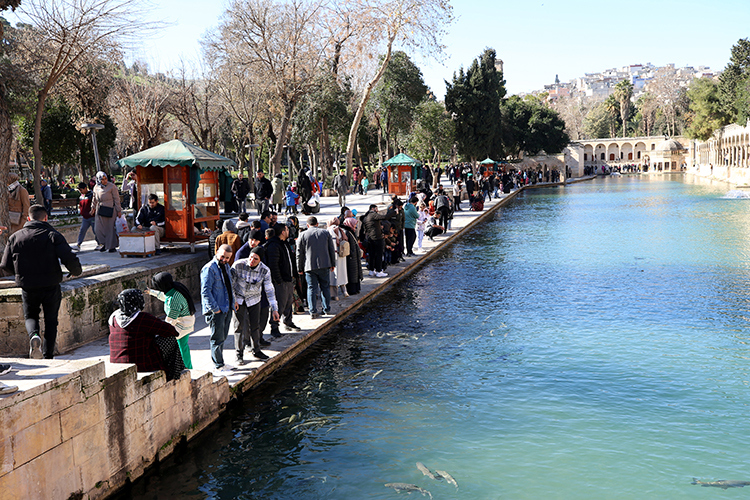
[(722, 483), (399, 487), (447, 477), (377, 373), (424, 470)]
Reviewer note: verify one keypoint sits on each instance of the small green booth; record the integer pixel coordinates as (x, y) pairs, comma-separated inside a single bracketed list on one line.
[(403, 171)]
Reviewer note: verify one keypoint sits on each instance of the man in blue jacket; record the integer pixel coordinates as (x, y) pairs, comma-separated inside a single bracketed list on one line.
[(218, 303)]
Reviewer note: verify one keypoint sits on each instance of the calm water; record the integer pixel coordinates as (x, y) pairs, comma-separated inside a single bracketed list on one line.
[(590, 342)]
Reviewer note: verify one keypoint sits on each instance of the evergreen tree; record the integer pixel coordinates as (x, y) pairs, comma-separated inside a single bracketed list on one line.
[(733, 83), (706, 109), (473, 99)]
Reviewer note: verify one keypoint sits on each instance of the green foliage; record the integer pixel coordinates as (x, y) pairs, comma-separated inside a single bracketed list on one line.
[(59, 136), (599, 122), (706, 108), (733, 82), (473, 99), (328, 99), (531, 126), (623, 94), (432, 133), (397, 94)]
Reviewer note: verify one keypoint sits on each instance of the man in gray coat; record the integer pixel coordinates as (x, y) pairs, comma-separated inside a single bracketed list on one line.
[(316, 258), (341, 185)]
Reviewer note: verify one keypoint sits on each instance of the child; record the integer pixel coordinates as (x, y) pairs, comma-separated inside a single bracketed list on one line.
[(365, 184), (420, 224), (291, 200)]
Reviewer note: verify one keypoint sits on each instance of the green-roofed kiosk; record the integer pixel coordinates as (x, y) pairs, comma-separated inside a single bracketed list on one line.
[(402, 171), (186, 179)]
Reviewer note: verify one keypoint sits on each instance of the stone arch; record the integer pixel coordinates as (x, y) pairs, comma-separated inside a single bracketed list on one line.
[(626, 152), (639, 151), (601, 151), (588, 153), (613, 152)]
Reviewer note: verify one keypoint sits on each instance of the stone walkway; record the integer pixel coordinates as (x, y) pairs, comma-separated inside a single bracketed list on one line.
[(30, 373)]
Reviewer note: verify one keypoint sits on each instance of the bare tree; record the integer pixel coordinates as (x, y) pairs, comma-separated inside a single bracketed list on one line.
[(65, 30), (194, 102), (284, 42), (666, 89), (414, 24), (139, 104), (573, 111)]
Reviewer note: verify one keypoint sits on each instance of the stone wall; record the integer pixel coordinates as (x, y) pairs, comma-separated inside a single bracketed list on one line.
[(86, 434), (88, 302)]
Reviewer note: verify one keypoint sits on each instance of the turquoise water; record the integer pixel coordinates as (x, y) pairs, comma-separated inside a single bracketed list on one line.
[(590, 342)]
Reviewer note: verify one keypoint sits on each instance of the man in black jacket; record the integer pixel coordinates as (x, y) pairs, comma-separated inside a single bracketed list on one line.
[(375, 244), (33, 254), (281, 261), (263, 192), (240, 190), (152, 217)]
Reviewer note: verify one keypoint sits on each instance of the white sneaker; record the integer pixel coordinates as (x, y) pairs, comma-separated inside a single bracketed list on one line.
[(35, 352), (381, 275), (7, 389), (77, 248), (372, 274)]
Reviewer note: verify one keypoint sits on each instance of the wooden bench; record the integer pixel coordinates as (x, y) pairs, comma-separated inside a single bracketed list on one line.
[(68, 204)]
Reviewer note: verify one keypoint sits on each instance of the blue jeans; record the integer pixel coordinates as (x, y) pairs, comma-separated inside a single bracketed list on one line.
[(219, 324), (85, 225), (318, 280)]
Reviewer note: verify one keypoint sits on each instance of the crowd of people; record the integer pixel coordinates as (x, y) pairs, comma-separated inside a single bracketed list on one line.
[(261, 271)]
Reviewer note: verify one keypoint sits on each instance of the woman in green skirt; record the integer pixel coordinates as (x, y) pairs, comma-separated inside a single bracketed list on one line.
[(179, 308)]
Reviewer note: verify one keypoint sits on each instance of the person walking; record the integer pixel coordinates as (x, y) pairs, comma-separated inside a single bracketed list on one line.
[(217, 301), (34, 254), (316, 257), (375, 244), (341, 186), (46, 196), (106, 205), (263, 192), (240, 189), (277, 194), (18, 203), (250, 278), (87, 216)]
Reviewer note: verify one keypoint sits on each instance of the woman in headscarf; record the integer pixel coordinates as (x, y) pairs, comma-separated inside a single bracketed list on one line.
[(179, 308), (106, 205), (18, 203), (354, 259), (138, 337), (339, 274)]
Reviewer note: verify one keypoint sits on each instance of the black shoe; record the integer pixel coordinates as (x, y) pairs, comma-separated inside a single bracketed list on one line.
[(112, 250), (260, 355), (276, 334), (292, 327), (264, 343), (103, 249), (315, 316)]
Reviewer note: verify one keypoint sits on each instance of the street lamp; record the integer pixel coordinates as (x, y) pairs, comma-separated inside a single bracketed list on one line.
[(93, 127)]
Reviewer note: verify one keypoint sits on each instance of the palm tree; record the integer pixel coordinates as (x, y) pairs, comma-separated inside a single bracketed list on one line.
[(612, 105), (623, 93)]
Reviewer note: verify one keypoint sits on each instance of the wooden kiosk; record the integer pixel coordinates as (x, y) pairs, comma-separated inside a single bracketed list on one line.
[(186, 180), (403, 172)]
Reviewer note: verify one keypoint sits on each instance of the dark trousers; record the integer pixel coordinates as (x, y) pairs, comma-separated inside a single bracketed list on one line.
[(375, 253), (443, 217), (284, 298), (219, 325), (411, 237), (248, 318), (42, 299)]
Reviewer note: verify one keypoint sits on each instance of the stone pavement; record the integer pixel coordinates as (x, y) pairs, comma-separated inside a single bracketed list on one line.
[(31, 373)]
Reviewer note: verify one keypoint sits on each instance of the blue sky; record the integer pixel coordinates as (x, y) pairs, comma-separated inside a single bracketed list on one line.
[(536, 39)]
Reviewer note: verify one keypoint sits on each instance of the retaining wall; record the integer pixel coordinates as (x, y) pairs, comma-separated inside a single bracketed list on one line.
[(85, 434), (88, 302)]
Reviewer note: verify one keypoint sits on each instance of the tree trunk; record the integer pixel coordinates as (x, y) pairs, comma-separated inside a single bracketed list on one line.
[(281, 139), (326, 144), (41, 98), (362, 103), (6, 139)]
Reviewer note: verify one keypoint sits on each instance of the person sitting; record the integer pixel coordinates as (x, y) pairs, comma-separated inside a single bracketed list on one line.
[(179, 308), (152, 217), (140, 338)]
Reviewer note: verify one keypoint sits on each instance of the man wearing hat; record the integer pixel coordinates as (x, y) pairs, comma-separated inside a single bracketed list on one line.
[(250, 277)]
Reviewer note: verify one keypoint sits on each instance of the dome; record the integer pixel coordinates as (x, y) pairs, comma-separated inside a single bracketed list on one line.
[(670, 145)]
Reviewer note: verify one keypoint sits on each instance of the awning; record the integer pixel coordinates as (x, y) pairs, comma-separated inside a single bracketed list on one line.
[(177, 153)]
